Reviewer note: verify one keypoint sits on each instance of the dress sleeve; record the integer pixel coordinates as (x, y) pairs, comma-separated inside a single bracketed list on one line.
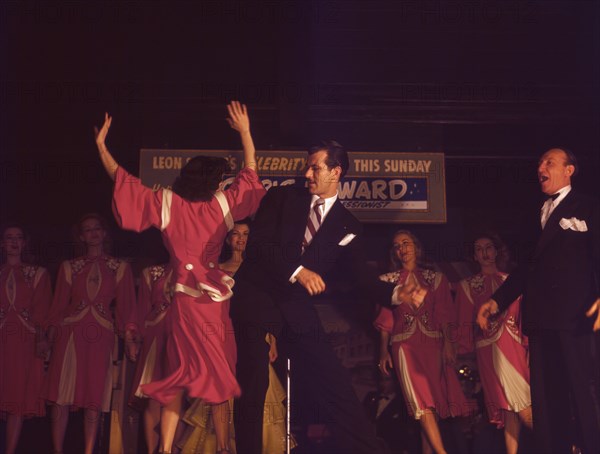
[(384, 321), (465, 307), (42, 298), (126, 313), (62, 295), (135, 206), (244, 194)]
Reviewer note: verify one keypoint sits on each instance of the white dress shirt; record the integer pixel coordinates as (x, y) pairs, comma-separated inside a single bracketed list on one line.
[(550, 205)]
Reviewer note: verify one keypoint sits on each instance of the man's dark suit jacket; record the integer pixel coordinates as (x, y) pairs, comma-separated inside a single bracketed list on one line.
[(561, 280), (274, 252), (265, 300)]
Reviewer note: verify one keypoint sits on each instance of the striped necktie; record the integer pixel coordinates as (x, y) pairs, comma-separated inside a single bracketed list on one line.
[(313, 223)]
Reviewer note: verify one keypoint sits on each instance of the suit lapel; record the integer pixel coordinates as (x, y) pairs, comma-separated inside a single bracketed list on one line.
[(333, 225), (552, 225), (296, 215)]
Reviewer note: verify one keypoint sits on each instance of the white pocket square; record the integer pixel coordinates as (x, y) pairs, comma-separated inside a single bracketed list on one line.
[(573, 224), (346, 240)]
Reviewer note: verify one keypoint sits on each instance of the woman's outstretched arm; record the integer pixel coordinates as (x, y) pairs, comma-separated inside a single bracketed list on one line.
[(109, 163), (239, 120)]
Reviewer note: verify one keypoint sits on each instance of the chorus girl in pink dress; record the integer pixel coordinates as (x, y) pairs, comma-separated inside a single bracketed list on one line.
[(415, 341), (82, 331), (154, 299), (501, 350), (194, 219), (25, 296)]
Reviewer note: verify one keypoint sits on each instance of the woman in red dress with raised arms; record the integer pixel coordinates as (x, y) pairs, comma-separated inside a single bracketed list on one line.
[(194, 219)]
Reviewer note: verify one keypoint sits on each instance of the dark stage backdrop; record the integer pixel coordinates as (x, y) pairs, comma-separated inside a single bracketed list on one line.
[(492, 84)]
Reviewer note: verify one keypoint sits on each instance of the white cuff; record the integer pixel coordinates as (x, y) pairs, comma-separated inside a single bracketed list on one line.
[(295, 273)]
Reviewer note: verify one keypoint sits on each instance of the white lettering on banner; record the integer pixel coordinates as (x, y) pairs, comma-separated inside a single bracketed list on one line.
[(376, 191), (274, 163), (268, 184), (406, 166), (393, 185), (366, 165), (167, 162)]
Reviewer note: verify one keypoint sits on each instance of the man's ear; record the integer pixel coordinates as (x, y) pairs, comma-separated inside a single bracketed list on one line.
[(338, 172), (570, 169)]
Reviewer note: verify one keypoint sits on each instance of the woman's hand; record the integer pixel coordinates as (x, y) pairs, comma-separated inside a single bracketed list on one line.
[(132, 345), (238, 117), (272, 341), (110, 165), (449, 353), (43, 348), (102, 133), (385, 362)]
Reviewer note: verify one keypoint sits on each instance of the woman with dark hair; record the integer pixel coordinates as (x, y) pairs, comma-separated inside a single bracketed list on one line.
[(82, 331), (25, 296), (416, 331), (502, 349), (194, 219)]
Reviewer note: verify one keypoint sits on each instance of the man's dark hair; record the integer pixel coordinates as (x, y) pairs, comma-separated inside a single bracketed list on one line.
[(336, 155)]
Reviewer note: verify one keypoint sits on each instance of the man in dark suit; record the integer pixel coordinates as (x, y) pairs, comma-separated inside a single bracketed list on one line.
[(298, 238), (559, 284)]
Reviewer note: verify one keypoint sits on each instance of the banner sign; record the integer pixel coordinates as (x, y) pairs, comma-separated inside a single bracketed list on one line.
[(378, 187)]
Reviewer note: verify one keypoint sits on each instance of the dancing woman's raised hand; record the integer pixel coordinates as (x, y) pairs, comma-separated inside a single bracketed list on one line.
[(110, 165), (240, 121), (238, 117), (102, 132)]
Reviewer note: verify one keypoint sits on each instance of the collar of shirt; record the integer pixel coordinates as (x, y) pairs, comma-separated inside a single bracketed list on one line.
[(562, 193), (326, 207)]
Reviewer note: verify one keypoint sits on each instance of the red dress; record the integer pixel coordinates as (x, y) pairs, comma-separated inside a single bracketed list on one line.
[(82, 356), (25, 296), (193, 233), (501, 351), (416, 339), (154, 299)]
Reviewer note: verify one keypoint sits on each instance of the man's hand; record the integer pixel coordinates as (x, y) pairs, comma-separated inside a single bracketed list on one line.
[(238, 117), (595, 309), (311, 281), (488, 308)]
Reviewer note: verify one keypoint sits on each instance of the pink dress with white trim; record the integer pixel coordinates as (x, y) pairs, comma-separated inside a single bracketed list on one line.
[(197, 354), (501, 351), (416, 340), (80, 372), (25, 296)]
